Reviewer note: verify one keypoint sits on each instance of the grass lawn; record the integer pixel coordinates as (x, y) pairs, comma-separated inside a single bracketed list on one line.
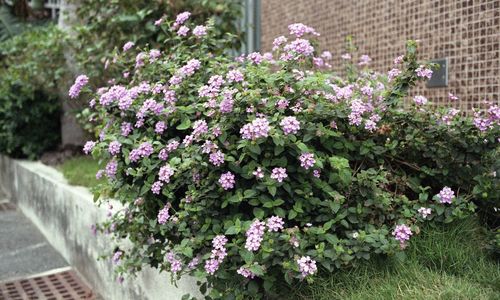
[(448, 262), (80, 170)]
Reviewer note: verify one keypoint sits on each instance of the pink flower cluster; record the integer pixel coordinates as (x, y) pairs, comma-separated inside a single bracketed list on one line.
[(423, 72), (245, 273), (255, 235), (492, 117), (402, 233), (290, 125), (76, 88), (218, 254), (275, 223), (165, 173), (216, 158), (200, 31), (299, 30), (296, 48), (307, 266), (446, 195), (164, 215), (144, 150), (256, 129), (307, 160), (181, 18), (89, 145), (234, 76), (424, 212), (227, 180), (128, 46), (175, 264), (114, 147), (279, 174), (420, 100)]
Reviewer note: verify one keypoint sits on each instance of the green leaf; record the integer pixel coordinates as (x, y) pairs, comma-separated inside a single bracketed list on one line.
[(254, 148), (272, 190), (258, 213), (185, 124)]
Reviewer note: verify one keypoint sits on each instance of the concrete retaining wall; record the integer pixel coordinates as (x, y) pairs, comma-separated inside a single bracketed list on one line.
[(64, 214)]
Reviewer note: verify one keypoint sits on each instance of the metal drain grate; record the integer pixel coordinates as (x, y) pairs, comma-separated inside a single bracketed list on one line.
[(6, 206), (59, 286)]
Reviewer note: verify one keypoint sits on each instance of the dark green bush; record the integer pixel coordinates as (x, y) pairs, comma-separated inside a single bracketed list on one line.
[(29, 104)]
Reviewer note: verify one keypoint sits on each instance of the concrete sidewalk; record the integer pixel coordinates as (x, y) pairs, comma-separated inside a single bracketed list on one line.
[(23, 249)]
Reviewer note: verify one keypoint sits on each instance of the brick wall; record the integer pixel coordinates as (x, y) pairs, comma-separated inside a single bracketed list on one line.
[(467, 32)]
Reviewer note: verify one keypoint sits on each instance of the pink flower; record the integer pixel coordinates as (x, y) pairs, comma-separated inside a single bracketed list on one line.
[(399, 59), (234, 76), (255, 235), (278, 42), (76, 88), (183, 31), (258, 173), (402, 233), (452, 97), (364, 60), (200, 31), (299, 29), (128, 46), (114, 147), (163, 215), (255, 57), (111, 168), (446, 195), (87, 148), (346, 56), (256, 129), (393, 73), (165, 173), (227, 181), (307, 160), (154, 54), (156, 187), (290, 125), (181, 18), (307, 266), (299, 47), (317, 173), (160, 127), (423, 72), (420, 100), (275, 223), (279, 174), (216, 158), (245, 273), (424, 212)]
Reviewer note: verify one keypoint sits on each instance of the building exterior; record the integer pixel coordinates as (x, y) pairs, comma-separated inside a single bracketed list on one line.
[(464, 32)]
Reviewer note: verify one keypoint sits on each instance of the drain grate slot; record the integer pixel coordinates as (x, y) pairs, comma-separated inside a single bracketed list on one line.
[(64, 285), (7, 206)]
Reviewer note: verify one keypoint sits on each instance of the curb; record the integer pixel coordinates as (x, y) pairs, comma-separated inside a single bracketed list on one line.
[(64, 214)]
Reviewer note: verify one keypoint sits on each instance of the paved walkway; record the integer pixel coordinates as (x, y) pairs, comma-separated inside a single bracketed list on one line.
[(26, 254)]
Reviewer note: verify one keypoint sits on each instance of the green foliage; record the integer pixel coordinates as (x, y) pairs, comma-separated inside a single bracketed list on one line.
[(80, 170), (9, 24), (108, 25), (29, 107), (375, 164)]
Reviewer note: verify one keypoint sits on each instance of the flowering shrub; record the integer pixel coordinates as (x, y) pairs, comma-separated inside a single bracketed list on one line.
[(248, 172), (107, 25)]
